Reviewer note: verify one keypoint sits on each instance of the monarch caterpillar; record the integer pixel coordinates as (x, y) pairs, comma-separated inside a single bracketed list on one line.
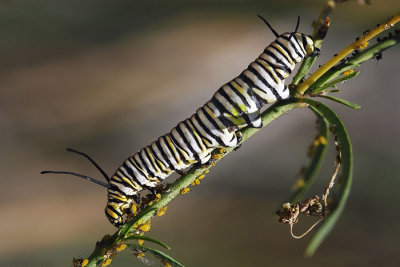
[(235, 105)]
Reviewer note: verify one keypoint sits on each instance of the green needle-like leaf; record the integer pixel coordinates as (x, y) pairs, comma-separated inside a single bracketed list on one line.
[(146, 238), (328, 77), (342, 101), (344, 184), (157, 253), (334, 82)]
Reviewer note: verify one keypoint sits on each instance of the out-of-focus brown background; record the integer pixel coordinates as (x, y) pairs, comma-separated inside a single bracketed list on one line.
[(108, 77)]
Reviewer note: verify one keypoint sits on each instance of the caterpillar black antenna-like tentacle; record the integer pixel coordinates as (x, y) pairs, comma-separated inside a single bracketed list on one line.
[(297, 27), (92, 161), (269, 25), (297, 24), (90, 179)]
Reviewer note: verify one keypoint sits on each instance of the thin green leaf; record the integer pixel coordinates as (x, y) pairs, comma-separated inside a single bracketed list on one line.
[(146, 238), (342, 101), (344, 184), (318, 156), (334, 82), (157, 253), (330, 75), (375, 49)]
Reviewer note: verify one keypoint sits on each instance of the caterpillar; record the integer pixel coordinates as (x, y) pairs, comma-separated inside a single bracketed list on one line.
[(235, 105)]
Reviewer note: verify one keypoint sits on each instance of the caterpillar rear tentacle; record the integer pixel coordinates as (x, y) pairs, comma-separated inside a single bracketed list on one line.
[(235, 105)]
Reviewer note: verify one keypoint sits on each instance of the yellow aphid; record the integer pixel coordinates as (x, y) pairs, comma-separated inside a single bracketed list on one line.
[(197, 181), (140, 255), (193, 184), (201, 176), (134, 209), (363, 45), (206, 171), (137, 223), (221, 150), (120, 247), (166, 263), (322, 140), (84, 262), (140, 241), (316, 142), (106, 262), (162, 211), (300, 183), (150, 203), (348, 72), (158, 196), (184, 190), (216, 156), (144, 227)]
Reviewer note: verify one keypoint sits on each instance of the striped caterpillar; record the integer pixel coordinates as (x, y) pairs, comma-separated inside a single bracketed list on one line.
[(235, 105)]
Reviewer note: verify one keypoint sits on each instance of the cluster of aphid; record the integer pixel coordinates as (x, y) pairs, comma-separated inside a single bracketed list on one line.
[(377, 56)]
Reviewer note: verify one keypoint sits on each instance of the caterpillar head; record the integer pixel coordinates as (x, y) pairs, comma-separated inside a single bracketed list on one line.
[(309, 46), (307, 43)]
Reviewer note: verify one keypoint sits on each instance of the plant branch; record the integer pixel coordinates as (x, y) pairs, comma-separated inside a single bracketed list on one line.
[(347, 65), (357, 45)]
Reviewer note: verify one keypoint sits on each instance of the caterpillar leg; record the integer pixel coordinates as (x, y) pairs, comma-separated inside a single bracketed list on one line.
[(239, 136), (255, 120), (118, 203), (153, 190)]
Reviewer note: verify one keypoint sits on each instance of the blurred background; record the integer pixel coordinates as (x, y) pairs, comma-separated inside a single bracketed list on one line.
[(109, 77)]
